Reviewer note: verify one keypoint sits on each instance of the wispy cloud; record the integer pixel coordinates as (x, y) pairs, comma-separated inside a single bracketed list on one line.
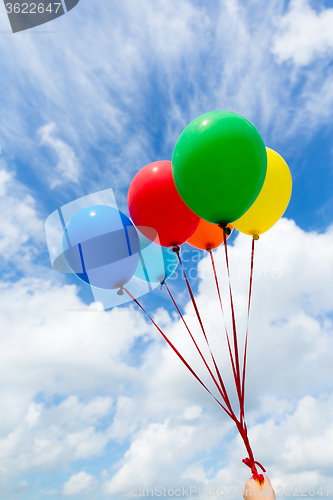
[(120, 95), (67, 168)]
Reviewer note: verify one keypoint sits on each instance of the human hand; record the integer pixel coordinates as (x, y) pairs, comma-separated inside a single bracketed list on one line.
[(254, 491)]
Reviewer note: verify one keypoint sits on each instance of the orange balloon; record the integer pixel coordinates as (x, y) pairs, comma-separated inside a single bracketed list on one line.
[(207, 236)]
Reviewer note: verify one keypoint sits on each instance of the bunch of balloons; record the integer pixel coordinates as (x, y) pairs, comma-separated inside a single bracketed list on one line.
[(220, 174), (221, 177)]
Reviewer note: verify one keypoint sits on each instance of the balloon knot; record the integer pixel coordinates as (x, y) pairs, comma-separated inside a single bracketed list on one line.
[(225, 228), (176, 249), (256, 237), (120, 291), (259, 478)]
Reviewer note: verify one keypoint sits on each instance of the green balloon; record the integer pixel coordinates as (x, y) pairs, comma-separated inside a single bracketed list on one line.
[(219, 166)]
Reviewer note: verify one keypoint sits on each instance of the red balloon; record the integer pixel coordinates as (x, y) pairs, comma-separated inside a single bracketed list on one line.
[(154, 202)]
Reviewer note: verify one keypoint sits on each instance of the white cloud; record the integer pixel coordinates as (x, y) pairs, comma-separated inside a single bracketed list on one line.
[(304, 35), (156, 409), (158, 452), (154, 406), (124, 421), (67, 168), (296, 450), (48, 351), (289, 365), (51, 439), (78, 483), (5, 178), (21, 229), (192, 413)]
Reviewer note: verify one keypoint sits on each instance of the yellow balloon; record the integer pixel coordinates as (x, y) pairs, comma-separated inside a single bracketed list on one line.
[(272, 200)]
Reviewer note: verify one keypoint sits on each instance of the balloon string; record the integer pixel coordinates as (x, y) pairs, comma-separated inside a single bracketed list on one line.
[(225, 326), (241, 426), (237, 379), (247, 324), (176, 249), (223, 392), (178, 354)]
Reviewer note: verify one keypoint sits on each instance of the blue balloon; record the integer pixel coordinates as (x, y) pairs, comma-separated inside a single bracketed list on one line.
[(157, 263), (101, 246)]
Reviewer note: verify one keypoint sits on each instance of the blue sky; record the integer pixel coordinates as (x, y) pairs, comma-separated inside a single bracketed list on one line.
[(94, 402)]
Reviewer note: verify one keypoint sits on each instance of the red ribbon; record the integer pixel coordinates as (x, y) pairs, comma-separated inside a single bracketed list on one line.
[(252, 464), (247, 325), (238, 377)]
